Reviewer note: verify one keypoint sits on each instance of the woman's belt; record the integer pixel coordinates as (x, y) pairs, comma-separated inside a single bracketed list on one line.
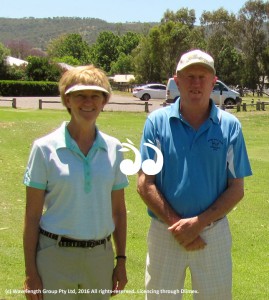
[(66, 242)]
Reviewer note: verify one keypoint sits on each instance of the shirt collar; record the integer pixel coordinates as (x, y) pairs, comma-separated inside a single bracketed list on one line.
[(215, 113), (65, 140)]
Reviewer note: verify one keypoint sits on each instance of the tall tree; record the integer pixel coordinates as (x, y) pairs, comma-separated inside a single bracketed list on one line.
[(252, 22), (142, 62), (158, 53), (183, 16), (219, 27), (175, 40), (149, 60)]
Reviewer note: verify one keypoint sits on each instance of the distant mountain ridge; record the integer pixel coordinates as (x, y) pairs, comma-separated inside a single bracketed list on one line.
[(39, 31)]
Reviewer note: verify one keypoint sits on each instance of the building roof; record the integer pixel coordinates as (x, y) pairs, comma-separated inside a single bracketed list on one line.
[(13, 61), (65, 66), (122, 78)]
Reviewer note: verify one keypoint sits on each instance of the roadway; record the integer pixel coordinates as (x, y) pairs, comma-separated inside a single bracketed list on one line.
[(116, 103)]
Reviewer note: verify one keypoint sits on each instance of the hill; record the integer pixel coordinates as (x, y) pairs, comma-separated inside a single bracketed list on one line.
[(39, 31)]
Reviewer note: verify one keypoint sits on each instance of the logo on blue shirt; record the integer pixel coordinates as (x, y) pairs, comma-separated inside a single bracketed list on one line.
[(215, 144)]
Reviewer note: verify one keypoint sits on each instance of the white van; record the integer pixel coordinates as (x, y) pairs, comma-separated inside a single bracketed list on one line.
[(229, 96)]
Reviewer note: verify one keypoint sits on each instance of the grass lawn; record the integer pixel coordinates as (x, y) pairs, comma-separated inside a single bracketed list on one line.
[(249, 221)]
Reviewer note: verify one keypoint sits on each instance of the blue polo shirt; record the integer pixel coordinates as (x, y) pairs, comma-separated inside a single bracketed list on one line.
[(77, 187), (197, 164)]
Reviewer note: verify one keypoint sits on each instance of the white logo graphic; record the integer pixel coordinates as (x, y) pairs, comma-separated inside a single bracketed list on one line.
[(149, 166), (127, 166)]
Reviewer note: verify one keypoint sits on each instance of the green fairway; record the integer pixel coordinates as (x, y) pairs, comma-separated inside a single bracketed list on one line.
[(249, 220)]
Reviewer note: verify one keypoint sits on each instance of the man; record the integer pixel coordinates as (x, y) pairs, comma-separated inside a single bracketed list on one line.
[(202, 180)]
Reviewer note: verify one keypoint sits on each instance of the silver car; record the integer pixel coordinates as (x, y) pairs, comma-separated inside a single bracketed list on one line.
[(150, 91)]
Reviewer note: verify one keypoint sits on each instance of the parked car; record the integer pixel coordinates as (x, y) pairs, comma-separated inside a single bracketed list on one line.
[(150, 91), (229, 97)]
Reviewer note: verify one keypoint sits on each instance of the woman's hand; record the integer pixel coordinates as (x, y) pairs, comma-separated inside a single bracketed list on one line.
[(119, 277), (33, 288)]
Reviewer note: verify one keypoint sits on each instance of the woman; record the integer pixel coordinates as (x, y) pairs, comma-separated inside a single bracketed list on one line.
[(75, 200)]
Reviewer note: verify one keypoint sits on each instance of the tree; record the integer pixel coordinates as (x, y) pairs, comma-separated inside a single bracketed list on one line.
[(219, 27), (4, 52), (70, 60), (196, 38), (71, 45), (253, 18), (183, 16), (265, 66), (105, 50), (160, 50), (142, 63), (175, 37), (40, 69), (229, 68), (37, 52), (19, 48), (128, 42), (16, 73), (123, 65), (158, 53)]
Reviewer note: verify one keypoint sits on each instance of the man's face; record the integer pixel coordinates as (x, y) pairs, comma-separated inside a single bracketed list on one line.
[(195, 84)]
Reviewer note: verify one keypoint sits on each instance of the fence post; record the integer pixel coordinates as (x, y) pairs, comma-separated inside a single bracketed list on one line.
[(258, 105), (146, 107), (40, 103), (14, 103), (244, 107), (238, 106), (263, 106)]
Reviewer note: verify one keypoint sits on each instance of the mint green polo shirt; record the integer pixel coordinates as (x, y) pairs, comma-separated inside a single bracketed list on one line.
[(77, 187)]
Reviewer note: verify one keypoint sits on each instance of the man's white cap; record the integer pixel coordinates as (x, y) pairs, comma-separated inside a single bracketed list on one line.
[(81, 87), (196, 57)]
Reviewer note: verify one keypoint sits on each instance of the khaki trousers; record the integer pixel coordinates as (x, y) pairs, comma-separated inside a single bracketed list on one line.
[(75, 273)]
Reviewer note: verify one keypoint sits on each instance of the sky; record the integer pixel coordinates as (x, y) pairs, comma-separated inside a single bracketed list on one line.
[(111, 10)]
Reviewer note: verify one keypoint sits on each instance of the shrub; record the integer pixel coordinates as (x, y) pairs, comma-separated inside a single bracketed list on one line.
[(28, 88)]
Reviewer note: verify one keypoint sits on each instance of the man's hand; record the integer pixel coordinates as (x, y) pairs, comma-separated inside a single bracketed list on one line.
[(197, 244), (187, 233)]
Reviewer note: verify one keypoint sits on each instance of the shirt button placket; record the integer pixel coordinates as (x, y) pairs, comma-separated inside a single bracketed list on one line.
[(87, 175)]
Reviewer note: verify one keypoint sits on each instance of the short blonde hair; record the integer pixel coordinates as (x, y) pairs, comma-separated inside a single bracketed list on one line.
[(84, 75)]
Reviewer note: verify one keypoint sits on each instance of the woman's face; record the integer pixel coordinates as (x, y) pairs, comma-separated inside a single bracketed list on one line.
[(85, 105)]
